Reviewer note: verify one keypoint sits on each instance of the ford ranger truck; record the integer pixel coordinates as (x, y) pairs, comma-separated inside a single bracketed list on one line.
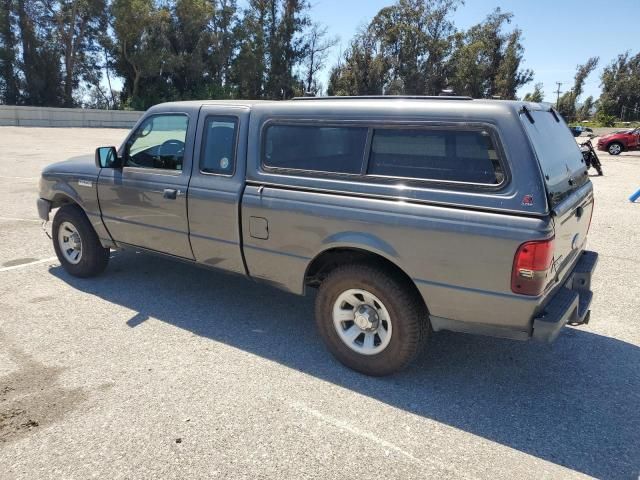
[(403, 216)]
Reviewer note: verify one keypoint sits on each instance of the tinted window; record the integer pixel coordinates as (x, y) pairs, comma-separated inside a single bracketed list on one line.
[(158, 143), (558, 154), (430, 154), (219, 145), (308, 147)]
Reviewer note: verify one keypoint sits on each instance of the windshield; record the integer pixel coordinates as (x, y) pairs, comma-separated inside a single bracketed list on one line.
[(558, 154)]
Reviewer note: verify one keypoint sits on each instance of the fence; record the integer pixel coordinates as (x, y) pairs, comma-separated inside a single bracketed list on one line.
[(66, 117)]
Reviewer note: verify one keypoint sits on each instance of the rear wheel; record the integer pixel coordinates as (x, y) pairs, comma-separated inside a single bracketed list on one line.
[(371, 319), (76, 244), (614, 148)]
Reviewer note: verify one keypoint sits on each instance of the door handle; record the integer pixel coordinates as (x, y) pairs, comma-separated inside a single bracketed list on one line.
[(170, 193)]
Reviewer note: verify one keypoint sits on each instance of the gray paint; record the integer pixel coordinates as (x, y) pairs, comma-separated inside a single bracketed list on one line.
[(66, 182), (456, 243), (460, 260), (133, 206), (214, 199), (502, 117)]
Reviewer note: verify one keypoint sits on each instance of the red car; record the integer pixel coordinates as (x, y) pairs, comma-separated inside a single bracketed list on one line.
[(620, 141)]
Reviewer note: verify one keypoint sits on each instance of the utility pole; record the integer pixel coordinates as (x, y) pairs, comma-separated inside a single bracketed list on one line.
[(558, 92)]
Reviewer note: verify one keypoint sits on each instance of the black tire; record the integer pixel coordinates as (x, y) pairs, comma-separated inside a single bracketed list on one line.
[(616, 147), (595, 161), (406, 310), (94, 257), (599, 170)]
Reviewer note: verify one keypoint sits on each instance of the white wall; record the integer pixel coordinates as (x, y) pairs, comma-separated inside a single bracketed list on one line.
[(66, 117)]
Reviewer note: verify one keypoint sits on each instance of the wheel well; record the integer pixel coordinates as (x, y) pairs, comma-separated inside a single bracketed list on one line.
[(60, 200), (328, 260)]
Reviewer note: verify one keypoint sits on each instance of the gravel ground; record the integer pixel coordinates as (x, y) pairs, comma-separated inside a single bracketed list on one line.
[(165, 370)]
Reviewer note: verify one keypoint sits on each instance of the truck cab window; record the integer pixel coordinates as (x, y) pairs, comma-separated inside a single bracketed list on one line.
[(219, 144), (158, 143)]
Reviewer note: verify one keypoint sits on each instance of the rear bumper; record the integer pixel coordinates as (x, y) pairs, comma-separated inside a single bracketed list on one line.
[(570, 304)]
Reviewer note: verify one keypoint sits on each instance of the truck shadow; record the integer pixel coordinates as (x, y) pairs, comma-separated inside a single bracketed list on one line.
[(574, 403)]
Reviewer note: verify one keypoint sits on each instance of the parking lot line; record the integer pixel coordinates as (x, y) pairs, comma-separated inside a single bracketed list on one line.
[(369, 436), (35, 262), (16, 219), (34, 179)]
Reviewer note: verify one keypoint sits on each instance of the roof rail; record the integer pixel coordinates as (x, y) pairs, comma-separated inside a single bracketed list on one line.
[(387, 97)]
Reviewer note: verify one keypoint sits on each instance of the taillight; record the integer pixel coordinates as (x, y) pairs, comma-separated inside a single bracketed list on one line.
[(531, 267)]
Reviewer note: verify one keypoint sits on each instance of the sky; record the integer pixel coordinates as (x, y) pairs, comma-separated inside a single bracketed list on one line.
[(557, 34)]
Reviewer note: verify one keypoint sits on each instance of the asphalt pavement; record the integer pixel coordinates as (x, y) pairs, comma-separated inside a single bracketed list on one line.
[(159, 369)]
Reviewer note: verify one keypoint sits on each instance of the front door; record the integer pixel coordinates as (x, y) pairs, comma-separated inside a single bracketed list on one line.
[(145, 202)]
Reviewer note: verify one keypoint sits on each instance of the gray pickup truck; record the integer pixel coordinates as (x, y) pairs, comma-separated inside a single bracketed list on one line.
[(407, 214)]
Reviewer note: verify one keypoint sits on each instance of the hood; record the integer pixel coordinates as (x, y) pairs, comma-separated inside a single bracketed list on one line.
[(84, 165), (609, 135), (616, 134)]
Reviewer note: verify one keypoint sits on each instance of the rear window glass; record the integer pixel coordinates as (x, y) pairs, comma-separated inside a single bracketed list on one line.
[(558, 154), (450, 155), (315, 148)]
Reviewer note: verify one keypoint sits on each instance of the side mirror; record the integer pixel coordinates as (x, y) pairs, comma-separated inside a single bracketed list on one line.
[(107, 157)]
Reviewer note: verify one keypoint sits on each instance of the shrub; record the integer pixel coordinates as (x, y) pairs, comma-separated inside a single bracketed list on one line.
[(605, 120)]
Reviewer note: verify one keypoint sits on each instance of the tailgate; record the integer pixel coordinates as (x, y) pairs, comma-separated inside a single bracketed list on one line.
[(571, 219), (569, 191)]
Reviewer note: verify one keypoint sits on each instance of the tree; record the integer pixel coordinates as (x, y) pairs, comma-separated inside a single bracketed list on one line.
[(620, 85), (189, 40), (486, 62), (9, 82), (223, 44), (315, 56), (440, 41), (77, 25), (415, 37), (140, 50), (362, 71), (57, 52), (536, 96), (286, 47), (567, 102), (586, 109), (272, 44), (399, 32), (249, 68), (40, 65), (509, 77)]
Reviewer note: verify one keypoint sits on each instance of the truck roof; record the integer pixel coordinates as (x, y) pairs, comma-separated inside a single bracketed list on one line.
[(372, 101), (196, 103)]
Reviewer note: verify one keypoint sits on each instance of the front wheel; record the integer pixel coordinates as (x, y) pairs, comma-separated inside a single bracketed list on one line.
[(595, 162), (76, 244), (614, 148), (371, 319)]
